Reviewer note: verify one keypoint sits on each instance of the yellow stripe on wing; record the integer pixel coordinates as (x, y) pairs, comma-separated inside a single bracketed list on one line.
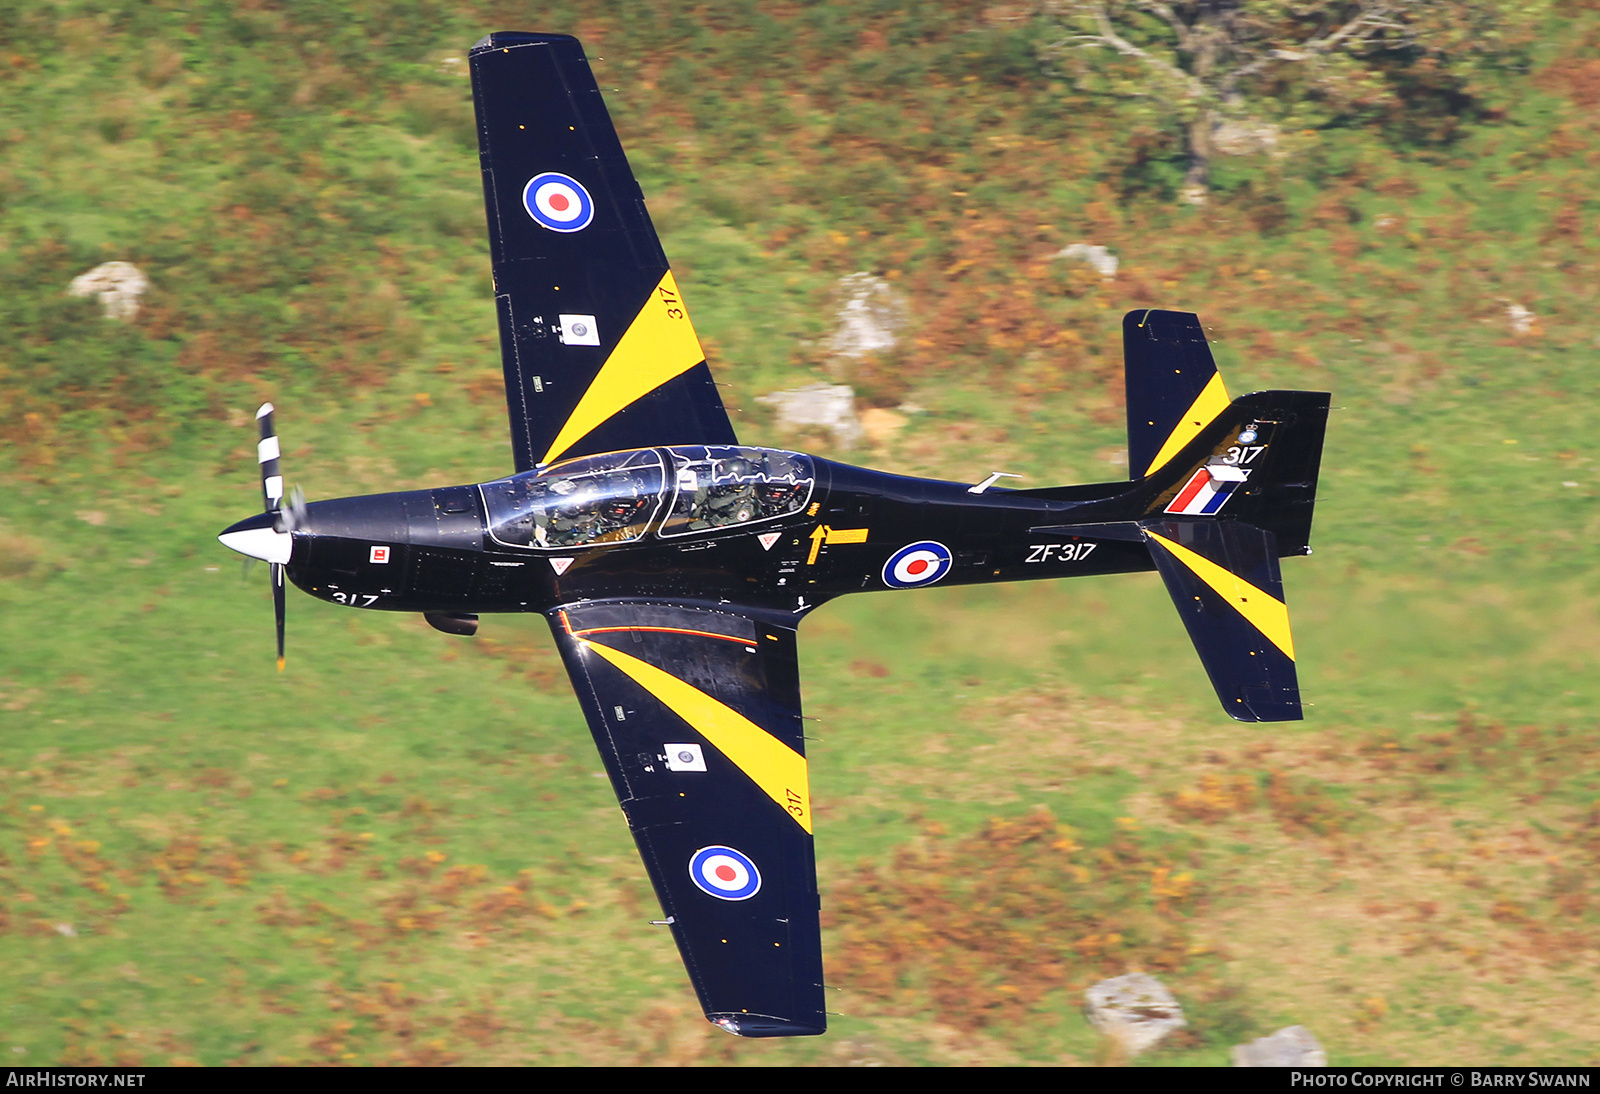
[(1212, 400), (1267, 613), (659, 344), (776, 768)]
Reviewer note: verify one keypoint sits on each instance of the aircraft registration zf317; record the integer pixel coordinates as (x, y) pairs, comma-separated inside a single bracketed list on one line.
[(674, 564)]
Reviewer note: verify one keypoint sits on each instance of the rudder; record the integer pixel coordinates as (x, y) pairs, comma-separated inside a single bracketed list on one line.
[(1257, 461)]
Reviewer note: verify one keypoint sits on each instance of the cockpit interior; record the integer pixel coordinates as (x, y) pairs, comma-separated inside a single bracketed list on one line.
[(616, 497)]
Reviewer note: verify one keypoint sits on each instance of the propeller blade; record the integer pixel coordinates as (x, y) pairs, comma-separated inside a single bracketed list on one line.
[(269, 536), (295, 514), (278, 606), (267, 453)]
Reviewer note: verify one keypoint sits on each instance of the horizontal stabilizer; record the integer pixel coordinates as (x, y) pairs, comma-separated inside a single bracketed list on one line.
[(1174, 389), (1224, 580)]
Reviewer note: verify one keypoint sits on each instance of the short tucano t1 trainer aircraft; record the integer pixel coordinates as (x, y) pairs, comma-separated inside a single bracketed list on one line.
[(675, 564)]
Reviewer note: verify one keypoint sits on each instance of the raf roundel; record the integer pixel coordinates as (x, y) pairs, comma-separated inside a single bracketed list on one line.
[(916, 564), (558, 202), (724, 873)]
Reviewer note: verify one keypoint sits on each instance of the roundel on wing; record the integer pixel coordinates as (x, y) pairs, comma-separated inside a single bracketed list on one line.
[(724, 873), (916, 564), (558, 202)]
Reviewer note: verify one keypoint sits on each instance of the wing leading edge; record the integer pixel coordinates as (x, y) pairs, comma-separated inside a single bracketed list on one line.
[(598, 350), (696, 712)]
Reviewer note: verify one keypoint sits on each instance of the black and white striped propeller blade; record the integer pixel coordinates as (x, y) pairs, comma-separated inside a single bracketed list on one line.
[(268, 453), (269, 536)]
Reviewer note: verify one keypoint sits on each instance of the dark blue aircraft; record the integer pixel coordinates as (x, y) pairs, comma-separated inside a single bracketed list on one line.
[(674, 564)]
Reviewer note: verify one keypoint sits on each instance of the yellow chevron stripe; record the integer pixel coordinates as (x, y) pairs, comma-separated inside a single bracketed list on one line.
[(659, 344), (776, 768), (1266, 613), (1211, 401)]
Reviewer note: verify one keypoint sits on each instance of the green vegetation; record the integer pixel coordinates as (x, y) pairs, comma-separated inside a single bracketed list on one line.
[(402, 849)]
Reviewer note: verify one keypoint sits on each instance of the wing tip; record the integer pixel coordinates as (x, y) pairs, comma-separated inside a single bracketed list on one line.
[(508, 39), (744, 1024)]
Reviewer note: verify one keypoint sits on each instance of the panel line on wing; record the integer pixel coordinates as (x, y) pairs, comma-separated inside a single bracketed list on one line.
[(1212, 400), (1266, 613), (776, 768), (566, 625), (659, 344), (662, 630)]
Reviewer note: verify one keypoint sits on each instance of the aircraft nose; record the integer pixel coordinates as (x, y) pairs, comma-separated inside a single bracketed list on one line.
[(257, 537)]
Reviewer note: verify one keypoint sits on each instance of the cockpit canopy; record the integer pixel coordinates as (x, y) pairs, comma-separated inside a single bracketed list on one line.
[(594, 499), (616, 497), (720, 486)]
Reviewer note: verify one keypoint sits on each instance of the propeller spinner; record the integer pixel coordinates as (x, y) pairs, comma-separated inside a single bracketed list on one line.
[(269, 536)]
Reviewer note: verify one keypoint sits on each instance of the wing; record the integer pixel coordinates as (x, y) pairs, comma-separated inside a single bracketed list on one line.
[(598, 349), (696, 711)]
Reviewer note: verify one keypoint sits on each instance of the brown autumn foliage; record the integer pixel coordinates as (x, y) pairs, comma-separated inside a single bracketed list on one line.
[(984, 928)]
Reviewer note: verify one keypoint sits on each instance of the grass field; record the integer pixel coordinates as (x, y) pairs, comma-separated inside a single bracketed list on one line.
[(403, 849)]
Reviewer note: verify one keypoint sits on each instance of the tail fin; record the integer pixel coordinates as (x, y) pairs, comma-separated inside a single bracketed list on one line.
[(1227, 488), (1256, 462), (1254, 459)]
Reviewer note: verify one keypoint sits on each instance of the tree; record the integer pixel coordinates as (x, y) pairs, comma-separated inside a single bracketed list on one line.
[(1205, 62)]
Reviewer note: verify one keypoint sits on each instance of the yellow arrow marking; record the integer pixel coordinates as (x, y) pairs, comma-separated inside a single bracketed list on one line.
[(818, 535), (1211, 401), (1266, 613), (823, 534), (659, 344), (776, 768)]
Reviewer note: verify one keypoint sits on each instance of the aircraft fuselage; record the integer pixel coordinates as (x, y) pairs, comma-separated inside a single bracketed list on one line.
[(477, 550)]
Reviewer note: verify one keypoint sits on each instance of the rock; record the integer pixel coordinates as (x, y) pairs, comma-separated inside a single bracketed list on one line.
[(1135, 1010), (831, 407), (118, 285), (1294, 1046), (1243, 137), (870, 319), (1521, 318), (1099, 258)]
